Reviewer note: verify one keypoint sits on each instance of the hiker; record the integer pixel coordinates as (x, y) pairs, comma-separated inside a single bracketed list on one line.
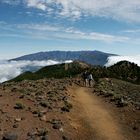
[(90, 79), (85, 78)]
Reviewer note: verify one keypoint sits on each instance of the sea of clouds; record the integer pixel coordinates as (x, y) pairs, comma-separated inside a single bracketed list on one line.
[(114, 59), (11, 69)]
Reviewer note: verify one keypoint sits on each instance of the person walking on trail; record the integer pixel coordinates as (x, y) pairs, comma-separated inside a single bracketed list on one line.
[(90, 79), (85, 78)]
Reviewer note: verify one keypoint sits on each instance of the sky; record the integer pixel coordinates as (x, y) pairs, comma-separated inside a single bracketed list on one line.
[(29, 26)]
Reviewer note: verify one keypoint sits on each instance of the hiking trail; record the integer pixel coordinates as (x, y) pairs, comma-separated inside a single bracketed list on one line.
[(102, 122)]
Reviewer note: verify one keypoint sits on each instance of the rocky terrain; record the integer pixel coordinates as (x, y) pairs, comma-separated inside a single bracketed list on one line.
[(119, 92), (50, 109), (35, 109)]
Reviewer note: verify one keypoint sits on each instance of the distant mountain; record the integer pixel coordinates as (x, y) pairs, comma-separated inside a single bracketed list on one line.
[(90, 57)]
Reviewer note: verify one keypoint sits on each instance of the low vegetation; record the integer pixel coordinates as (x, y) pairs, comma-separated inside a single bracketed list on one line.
[(123, 70), (120, 92), (55, 71), (19, 106)]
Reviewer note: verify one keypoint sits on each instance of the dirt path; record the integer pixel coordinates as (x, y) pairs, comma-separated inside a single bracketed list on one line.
[(101, 121)]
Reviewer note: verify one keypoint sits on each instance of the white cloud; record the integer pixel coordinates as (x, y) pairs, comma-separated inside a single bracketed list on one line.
[(108, 37), (11, 69), (40, 4), (13, 2), (47, 31), (132, 31), (114, 59), (125, 10), (44, 31), (39, 27)]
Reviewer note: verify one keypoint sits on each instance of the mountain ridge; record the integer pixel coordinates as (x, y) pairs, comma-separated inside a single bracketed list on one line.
[(123, 70), (90, 57)]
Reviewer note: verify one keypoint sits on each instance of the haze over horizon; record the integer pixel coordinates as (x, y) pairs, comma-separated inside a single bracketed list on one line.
[(29, 26)]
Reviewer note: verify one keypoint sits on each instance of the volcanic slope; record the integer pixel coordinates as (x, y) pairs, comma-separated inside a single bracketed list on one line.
[(60, 109)]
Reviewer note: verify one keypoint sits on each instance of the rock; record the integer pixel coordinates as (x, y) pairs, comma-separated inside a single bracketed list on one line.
[(21, 97), (32, 138), (15, 125), (35, 112), (43, 111), (61, 130), (29, 109), (39, 98), (19, 106), (67, 107), (122, 103), (18, 119), (10, 136), (44, 138), (14, 89), (64, 138), (23, 118), (57, 126), (137, 108), (2, 111), (31, 134), (65, 98), (135, 128), (42, 132), (44, 104), (35, 115), (43, 118), (40, 114)]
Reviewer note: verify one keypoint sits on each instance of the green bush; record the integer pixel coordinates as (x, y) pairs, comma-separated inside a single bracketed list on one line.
[(19, 106)]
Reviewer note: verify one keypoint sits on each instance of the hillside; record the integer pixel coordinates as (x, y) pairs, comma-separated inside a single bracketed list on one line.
[(55, 71), (123, 70), (90, 57), (59, 109), (119, 92), (126, 71)]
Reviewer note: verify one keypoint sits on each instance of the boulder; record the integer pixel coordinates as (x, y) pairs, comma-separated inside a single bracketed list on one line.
[(10, 136)]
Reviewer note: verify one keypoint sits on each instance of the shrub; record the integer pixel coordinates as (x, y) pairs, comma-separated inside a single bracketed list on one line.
[(19, 106)]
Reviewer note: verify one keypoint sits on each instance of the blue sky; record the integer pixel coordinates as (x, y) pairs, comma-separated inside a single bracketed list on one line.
[(28, 26)]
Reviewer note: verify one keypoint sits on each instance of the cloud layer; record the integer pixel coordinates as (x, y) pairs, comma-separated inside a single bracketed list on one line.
[(114, 59), (125, 10), (47, 31), (11, 69)]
